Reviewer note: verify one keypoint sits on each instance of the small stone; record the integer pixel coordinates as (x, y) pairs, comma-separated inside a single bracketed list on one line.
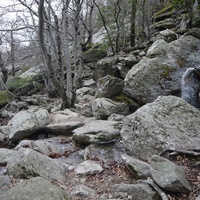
[(84, 191)]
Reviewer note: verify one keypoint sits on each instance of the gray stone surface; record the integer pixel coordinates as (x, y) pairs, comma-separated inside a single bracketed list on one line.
[(5, 155), (102, 108), (137, 191), (26, 123), (140, 169), (89, 167), (28, 163), (160, 72), (168, 175), (168, 122), (109, 86), (97, 132), (35, 188), (83, 190)]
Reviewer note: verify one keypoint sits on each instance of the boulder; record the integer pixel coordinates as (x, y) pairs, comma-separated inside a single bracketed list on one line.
[(109, 86), (140, 169), (64, 122), (167, 35), (83, 190), (26, 123), (102, 108), (97, 132), (35, 188), (168, 122), (106, 66), (28, 163), (137, 191), (89, 167), (5, 155), (161, 71), (109, 153), (168, 175)]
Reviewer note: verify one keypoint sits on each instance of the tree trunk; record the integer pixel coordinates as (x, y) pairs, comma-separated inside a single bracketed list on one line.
[(133, 16)]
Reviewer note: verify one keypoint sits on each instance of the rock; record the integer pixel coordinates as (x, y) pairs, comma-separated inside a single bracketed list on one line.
[(44, 147), (36, 188), (116, 117), (106, 66), (28, 163), (5, 181), (140, 169), (195, 32), (168, 175), (89, 167), (109, 153), (32, 72), (97, 132), (138, 191), (2, 137), (83, 190), (198, 198), (26, 123), (168, 122), (109, 86), (167, 35), (89, 83), (102, 108), (63, 123), (5, 155), (81, 92), (161, 71), (130, 60)]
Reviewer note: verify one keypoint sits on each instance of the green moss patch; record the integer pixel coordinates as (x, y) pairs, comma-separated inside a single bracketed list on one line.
[(95, 53), (4, 98)]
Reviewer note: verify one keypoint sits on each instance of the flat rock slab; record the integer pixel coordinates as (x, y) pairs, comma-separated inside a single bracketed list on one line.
[(168, 175), (83, 190), (97, 132), (35, 188), (89, 167)]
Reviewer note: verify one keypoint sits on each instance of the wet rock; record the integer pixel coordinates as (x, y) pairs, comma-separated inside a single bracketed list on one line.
[(36, 188), (168, 175), (168, 122), (102, 108), (26, 123), (83, 190), (89, 167), (138, 191), (28, 163), (140, 169), (97, 132)]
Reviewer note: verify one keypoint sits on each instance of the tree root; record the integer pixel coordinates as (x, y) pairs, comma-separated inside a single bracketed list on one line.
[(178, 151)]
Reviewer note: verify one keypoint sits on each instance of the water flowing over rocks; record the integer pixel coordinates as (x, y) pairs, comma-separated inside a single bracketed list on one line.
[(168, 122)]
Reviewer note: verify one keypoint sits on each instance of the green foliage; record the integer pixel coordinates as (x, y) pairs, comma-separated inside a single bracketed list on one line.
[(177, 3), (18, 82)]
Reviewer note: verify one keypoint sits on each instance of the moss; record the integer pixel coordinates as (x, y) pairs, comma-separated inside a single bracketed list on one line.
[(167, 8), (166, 71), (4, 98), (95, 53), (18, 82), (130, 102)]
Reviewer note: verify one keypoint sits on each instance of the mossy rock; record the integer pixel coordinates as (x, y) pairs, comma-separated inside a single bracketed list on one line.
[(4, 98), (96, 52), (122, 98)]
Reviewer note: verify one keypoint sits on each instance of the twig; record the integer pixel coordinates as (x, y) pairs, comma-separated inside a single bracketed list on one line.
[(178, 151), (151, 182)]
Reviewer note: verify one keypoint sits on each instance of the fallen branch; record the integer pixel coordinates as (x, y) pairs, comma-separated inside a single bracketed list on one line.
[(152, 183), (178, 151)]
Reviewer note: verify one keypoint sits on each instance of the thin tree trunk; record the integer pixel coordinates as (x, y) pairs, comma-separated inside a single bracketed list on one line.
[(12, 51), (133, 16)]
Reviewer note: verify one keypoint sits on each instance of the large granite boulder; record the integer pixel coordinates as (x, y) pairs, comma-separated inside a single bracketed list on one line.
[(28, 163), (26, 123), (97, 132), (168, 122), (35, 188), (160, 72)]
